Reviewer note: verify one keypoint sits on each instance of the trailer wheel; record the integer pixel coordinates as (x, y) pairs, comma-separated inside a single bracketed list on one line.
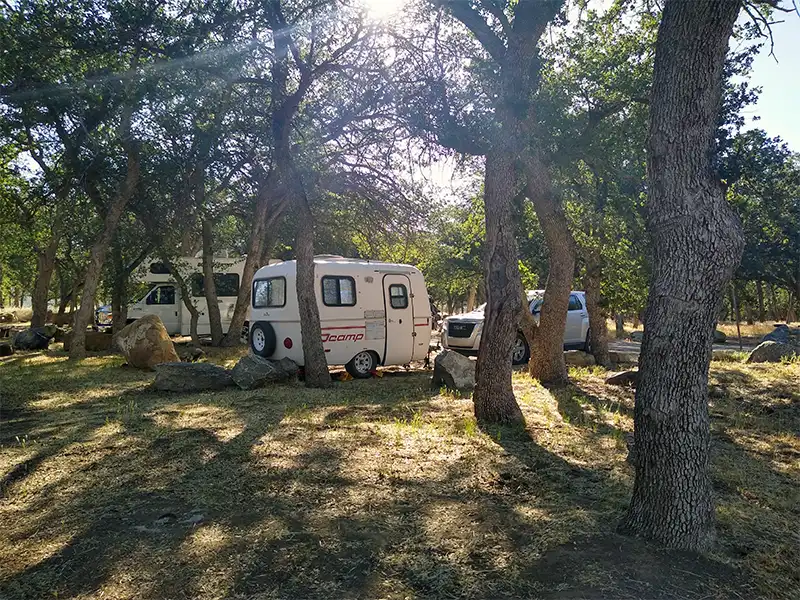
[(362, 364), (262, 339)]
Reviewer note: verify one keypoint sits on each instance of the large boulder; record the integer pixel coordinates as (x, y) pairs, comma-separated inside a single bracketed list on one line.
[(720, 337), (780, 334), (578, 358), (96, 341), (145, 343), (255, 371), (771, 352), (453, 371), (625, 378), (190, 377), (35, 338)]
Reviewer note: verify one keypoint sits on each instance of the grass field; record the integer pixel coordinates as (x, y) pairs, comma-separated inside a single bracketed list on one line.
[(380, 489)]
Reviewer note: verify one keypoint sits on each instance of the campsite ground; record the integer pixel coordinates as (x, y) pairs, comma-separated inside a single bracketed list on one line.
[(378, 488)]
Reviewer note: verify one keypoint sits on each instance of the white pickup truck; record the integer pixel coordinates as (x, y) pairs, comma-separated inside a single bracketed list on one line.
[(462, 333)]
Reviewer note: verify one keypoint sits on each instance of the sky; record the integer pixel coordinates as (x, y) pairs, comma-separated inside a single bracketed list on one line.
[(779, 77)]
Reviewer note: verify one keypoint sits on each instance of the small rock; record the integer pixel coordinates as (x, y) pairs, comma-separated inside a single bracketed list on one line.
[(637, 336), (770, 351), (623, 357), (720, 337), (253, 371), (6, 350), (625, 378), (453, 371), (96, 341), (190, 377), (578, 358)]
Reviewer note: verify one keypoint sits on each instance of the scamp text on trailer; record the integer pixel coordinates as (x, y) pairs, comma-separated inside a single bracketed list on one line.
[(371, 313)]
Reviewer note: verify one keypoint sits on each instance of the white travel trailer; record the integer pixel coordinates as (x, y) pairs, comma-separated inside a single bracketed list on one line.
[(164, 298), (371, 313)]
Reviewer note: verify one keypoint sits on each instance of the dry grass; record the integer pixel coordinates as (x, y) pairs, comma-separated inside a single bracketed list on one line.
[(380, 488)]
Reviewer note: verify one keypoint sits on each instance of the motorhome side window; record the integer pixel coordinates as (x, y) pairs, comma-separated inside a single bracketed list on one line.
[(159, 268), (227, 284), (164, 294), (269, 293), (338, 291), (398, 296)]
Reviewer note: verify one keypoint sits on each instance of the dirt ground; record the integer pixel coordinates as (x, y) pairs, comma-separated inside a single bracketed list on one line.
[(374, 489)]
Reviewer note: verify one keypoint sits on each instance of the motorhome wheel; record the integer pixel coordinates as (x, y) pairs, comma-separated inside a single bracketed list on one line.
[(262, 339)]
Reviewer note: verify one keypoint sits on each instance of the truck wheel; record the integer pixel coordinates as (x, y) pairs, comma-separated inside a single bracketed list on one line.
[(521, 353), (362, 365), (262, 339)]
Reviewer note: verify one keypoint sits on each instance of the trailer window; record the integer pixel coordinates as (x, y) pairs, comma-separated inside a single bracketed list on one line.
[(338, 291), (164, 294), (269, 293), (398, 296), (226, 284)]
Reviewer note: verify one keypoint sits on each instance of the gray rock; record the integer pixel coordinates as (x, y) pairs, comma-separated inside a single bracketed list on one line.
[(190, 377), (6, 350), (637, 336), (453, 371), (35, 338), (625, 378), (623, 357), (780, 334), (578, 358), (146, 343), (253, 371), (770, 351), (720, 337)]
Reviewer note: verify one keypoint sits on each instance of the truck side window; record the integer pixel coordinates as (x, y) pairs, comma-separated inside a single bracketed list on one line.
[(338, 290), (164, 294), (398, 296), (574, 303), (269, 293)]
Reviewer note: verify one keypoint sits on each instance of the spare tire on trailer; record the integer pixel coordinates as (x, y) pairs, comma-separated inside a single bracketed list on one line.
[(262, 339)]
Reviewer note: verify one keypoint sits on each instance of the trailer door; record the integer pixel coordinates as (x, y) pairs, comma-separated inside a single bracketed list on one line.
[(399, 320)]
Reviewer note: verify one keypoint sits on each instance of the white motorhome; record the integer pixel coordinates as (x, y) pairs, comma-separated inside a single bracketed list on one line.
[(164, 298), (371, 313)]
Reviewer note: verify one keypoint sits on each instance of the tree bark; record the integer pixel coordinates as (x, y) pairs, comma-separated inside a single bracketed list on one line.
[(493, 398), (45, 265), (619, 325), (473, 291), (598, 329), (186, 298), (547, 355), (697, 244), (266, 215), (209, 287), (316, 364), (760, 298), (119, 296), (85, 313), (772, 302)]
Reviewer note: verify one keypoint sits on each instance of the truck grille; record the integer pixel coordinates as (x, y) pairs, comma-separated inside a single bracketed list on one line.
[(460, 330)]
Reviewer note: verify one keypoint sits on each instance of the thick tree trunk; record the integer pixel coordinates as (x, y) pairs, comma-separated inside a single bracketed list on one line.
[(119, 291), (760, 298), (266, 215), (85, 314), (772, 302), (547, 355), (45, 265), (697, 244), (598, 329), (473, 292), (790, 315), (316, 364), (209, 287), (619, 326), (493, 398)]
